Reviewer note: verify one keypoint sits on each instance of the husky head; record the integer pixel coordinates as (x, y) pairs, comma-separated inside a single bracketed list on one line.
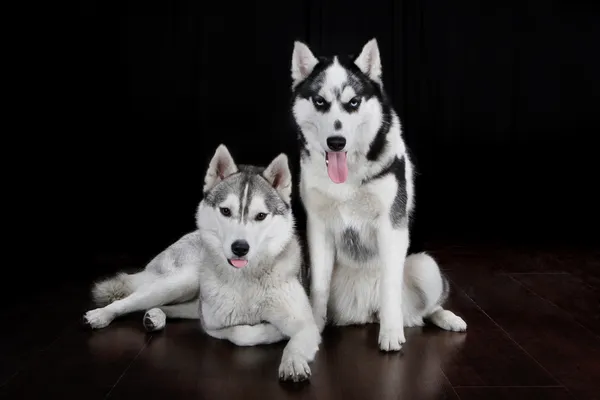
[(339, 106), (246, 213)]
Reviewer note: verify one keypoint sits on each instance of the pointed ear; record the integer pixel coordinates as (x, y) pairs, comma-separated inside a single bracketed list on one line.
[(369, 61), (220, 167), (303, 62), (279, 176)]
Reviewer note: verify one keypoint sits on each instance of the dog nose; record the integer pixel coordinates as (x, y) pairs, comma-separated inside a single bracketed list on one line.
[(336, 143), (240, 248)]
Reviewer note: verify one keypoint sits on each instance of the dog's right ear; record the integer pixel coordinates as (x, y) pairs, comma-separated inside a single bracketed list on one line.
[(303, 62), (220, 167)]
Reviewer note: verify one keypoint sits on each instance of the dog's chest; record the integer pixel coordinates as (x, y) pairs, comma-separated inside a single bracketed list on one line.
[(344, 205), (227, 306)]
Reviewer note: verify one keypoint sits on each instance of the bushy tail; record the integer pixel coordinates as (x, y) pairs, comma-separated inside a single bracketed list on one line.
[(423, 276), (109, 290)]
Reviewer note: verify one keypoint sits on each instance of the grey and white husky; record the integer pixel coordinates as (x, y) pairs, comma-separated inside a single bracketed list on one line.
[(356, 186), (240, 272)]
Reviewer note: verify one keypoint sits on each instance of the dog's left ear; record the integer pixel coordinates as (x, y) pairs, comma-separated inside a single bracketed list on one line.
[(369, 60), (279, 176), (220, 167)]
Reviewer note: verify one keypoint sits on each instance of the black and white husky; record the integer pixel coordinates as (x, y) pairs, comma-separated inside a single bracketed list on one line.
[(239, 272), (357, 188)]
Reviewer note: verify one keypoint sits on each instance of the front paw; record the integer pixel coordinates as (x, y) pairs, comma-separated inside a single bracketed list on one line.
[(294, 367), (98, 318), (391, 339)]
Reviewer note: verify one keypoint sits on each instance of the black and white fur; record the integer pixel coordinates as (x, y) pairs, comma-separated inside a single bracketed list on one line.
[(358, 230), (240, 272)]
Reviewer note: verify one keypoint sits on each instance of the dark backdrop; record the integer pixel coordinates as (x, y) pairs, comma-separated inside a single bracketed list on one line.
[(499, 102)]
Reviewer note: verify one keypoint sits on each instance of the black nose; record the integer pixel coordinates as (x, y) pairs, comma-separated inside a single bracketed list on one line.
[(240, 248), (336, 143)]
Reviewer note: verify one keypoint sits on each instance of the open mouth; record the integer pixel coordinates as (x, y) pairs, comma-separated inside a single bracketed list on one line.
[(237, 262), (337, 166)]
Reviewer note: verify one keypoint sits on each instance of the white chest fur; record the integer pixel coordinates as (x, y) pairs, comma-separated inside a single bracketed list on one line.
[(351, 204), (352, 214), (226, 305)]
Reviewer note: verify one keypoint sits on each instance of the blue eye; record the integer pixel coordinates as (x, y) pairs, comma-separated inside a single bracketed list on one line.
[(319, 101), (354, 102)]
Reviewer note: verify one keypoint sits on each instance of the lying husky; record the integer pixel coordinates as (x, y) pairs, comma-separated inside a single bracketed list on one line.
[(239, 272), (357, 188)]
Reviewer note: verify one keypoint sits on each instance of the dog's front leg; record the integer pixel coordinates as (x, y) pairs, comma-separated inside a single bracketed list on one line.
[(240, 335), (291, 313), (393, 246), (321, 255), (248, 335)]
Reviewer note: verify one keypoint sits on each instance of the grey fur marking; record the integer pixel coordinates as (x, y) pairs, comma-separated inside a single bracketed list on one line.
[(398, 214), (251, 169), (445, 290), (251, 177), (275, 204), (421, 303), (352, 246), (218, 194), (422, 296)]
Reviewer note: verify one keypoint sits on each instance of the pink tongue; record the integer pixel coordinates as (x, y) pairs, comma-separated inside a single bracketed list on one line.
[(239, 263), (337, 167)]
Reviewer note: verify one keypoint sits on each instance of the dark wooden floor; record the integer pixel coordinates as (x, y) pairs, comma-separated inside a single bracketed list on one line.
[(534, 333)]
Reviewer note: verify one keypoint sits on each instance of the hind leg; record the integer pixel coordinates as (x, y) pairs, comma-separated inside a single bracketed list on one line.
[(119, 286), (109, 290), (427, 289), (248, 335), (179, 286), (447, 320), (98, 318)]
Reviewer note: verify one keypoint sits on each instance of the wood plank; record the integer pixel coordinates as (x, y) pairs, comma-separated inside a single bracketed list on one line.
[(181, 362), (568, 351), (487, 356), (513, 393), (34, 323), (568, 292), (81, 364)]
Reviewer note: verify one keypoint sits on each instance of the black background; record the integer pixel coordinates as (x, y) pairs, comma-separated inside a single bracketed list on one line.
[(499, 103)]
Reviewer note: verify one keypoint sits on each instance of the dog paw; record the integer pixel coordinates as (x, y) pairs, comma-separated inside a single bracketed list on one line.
[(449, 321), (391, 339), (98, 318), (294, 368), (154, 320), (454, 323)]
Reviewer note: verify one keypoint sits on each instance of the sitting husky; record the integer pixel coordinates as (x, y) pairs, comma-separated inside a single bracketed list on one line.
[(239, 272), (356, 185)]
